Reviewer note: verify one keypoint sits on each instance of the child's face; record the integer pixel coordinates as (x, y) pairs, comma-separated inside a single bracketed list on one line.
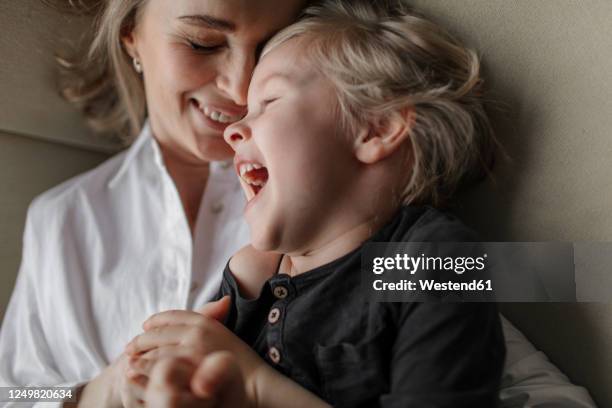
[(306, 163)]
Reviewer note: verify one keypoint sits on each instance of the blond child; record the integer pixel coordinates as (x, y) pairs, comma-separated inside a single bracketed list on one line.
[(363, 118)]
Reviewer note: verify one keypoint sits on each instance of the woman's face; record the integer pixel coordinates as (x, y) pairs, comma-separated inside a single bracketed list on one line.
[(197, 58)]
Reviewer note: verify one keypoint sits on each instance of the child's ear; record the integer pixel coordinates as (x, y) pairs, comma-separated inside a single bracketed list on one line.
[(379, 140)]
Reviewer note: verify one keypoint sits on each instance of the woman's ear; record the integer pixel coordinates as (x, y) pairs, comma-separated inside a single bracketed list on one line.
[(128, 40), (129, 43), (379, 140)]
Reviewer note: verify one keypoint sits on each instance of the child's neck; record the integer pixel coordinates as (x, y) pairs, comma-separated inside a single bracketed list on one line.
[(350, 238)]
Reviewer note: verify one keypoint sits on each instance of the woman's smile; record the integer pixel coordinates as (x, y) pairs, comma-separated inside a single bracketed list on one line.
[(214, 117)]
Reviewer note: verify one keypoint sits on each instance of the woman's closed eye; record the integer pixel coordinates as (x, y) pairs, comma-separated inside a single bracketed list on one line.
[(204, 48)]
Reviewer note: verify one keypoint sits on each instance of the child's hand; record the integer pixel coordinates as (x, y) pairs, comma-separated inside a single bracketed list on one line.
[(190, 336), (133, 369), (216, 382), (252, 268)]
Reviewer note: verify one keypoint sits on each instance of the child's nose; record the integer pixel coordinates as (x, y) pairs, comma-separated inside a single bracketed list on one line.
[(236, 134)]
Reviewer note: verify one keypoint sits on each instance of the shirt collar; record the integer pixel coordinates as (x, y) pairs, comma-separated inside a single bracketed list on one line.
[(145, 138), (142, 139)]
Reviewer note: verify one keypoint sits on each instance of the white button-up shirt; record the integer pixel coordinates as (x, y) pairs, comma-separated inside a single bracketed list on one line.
[(104, 251)]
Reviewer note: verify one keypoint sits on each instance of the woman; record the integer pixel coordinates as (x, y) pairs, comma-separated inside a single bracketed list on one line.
[(151, 228)]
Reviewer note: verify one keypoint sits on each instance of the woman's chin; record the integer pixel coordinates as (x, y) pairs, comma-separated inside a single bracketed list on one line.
[(214, 150)]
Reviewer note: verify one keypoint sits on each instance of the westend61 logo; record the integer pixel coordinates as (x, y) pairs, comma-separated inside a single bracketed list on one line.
[(413, 264)]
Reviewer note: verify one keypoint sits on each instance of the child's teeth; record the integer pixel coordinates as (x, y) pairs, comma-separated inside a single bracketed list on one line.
[(215, 115), (245, 168), (206, 111)]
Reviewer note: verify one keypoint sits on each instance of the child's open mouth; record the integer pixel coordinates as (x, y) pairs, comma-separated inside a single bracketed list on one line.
[(253, 176)]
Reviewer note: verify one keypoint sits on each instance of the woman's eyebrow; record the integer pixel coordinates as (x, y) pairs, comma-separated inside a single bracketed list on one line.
[(204, 20)]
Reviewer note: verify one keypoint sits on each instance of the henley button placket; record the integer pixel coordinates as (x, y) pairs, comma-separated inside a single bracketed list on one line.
[(283, 291)]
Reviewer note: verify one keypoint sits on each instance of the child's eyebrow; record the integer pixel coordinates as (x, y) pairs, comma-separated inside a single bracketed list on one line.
[(275, 75)]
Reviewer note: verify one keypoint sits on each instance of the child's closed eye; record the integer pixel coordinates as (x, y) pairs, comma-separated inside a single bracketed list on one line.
[(268, 101), (264, 103)]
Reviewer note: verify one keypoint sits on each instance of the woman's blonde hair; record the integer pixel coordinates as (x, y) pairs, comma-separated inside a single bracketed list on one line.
[(100, 80), (382, 59)]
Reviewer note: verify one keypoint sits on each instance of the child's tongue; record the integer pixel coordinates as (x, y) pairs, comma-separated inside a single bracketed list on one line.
[(260, 175)]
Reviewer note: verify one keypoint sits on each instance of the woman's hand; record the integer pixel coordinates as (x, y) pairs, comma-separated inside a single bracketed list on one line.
[(112, 388), (129, 385), (190, 336)]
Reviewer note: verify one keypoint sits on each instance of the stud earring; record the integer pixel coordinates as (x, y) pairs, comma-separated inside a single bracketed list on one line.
[(137, 65)]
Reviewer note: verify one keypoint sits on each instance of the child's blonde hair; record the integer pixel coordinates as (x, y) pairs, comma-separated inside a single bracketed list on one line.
[(383, 58)]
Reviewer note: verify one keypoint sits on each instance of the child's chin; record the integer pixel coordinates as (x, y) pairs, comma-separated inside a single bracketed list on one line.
[(261, 242)]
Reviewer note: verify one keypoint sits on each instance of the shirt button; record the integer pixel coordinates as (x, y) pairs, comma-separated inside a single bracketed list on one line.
[(193, 287), (217, 208), (280, 292), (274, 355), (274, 315)]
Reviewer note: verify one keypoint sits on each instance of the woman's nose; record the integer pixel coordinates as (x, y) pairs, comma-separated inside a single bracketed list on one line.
[(236, 133), (234, 77)]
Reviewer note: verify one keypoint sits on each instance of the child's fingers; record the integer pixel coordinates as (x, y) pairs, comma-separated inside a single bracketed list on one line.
[(172, 373), (217, 376), (172, 317), (137, 385), (142, 364), (169, 386), (159, 337), (216, 310)]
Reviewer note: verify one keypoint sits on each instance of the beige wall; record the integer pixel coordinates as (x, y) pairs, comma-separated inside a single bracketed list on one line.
[(549, 63), (31, 35), (37, 127)]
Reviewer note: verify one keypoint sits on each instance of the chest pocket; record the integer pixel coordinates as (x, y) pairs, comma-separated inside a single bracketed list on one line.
[(352, 375)]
